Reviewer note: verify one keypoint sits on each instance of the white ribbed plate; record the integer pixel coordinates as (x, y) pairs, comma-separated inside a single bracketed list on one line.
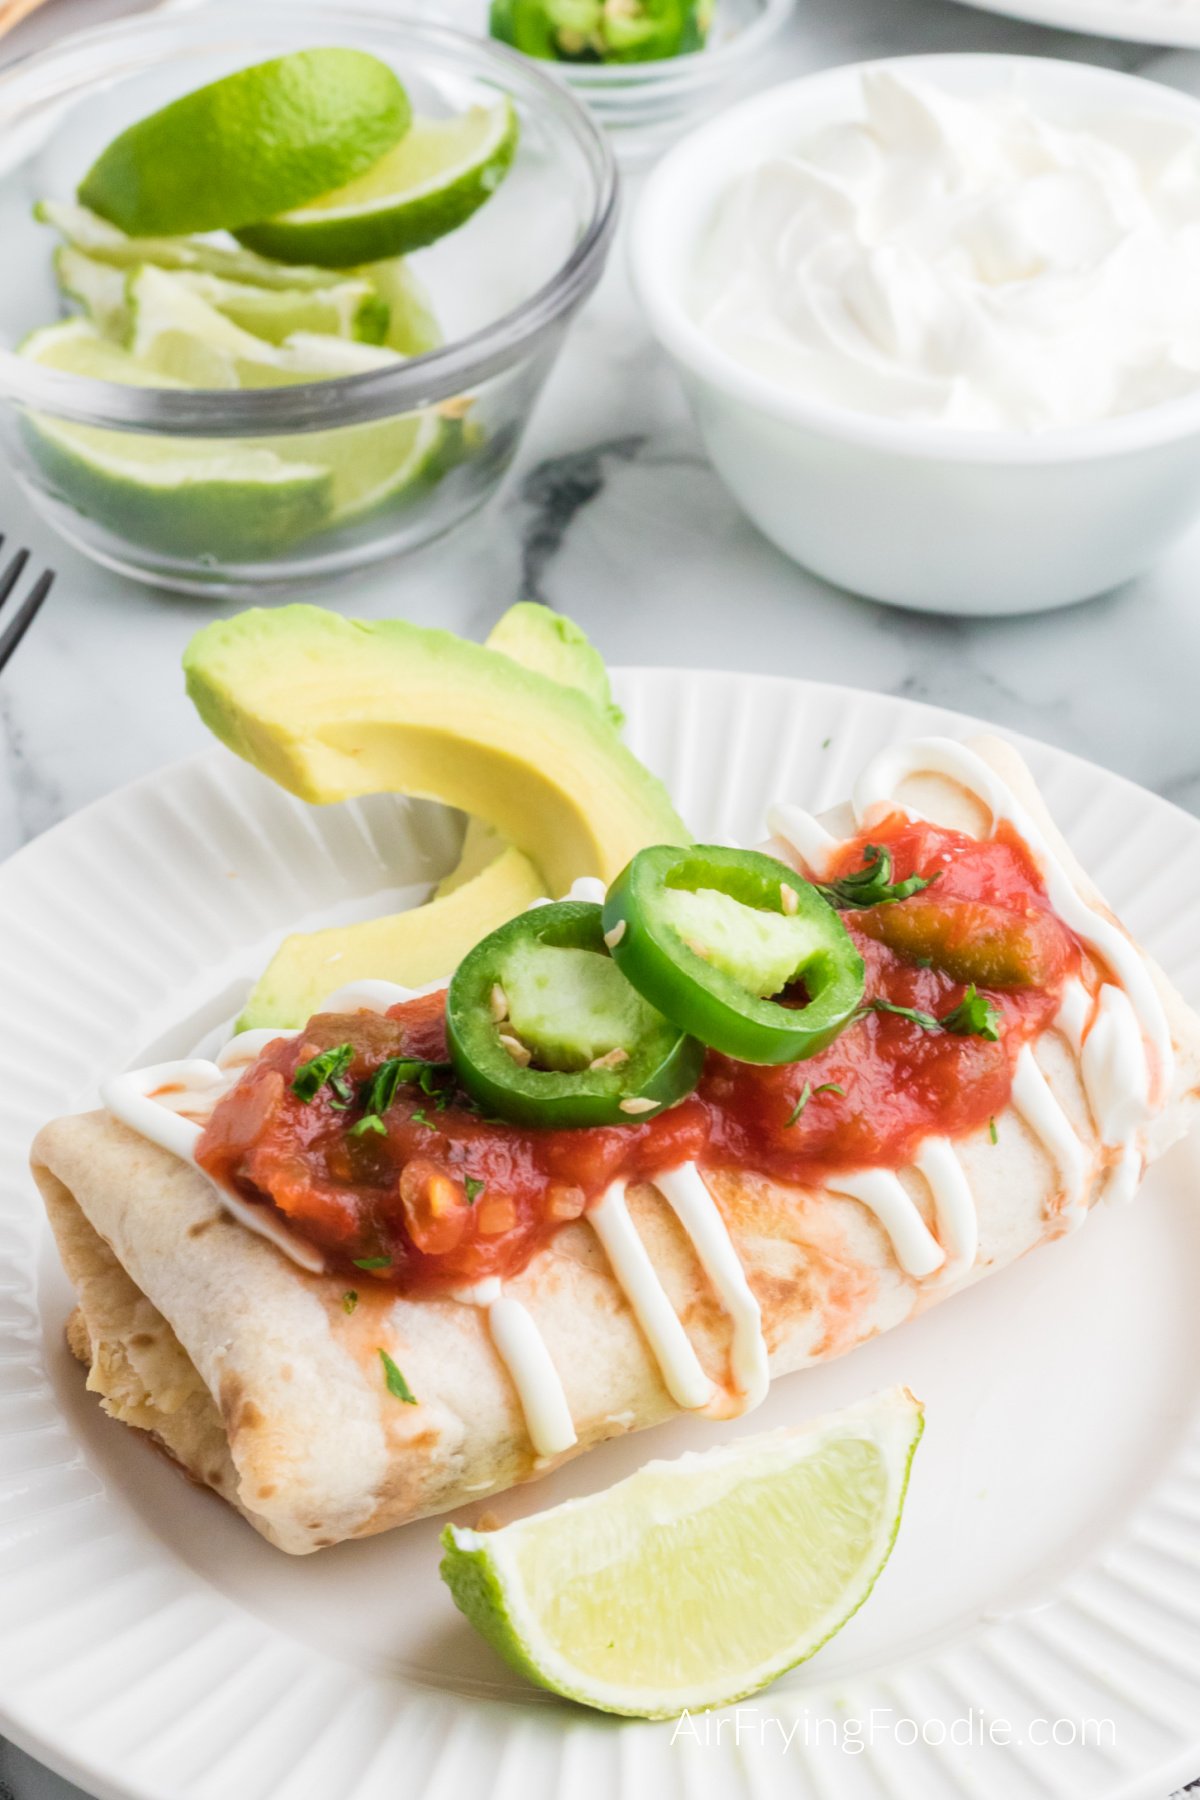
[(1175, 22), (1049, 1565)]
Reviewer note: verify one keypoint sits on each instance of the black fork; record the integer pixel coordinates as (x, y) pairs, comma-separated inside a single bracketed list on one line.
[(16, 627)]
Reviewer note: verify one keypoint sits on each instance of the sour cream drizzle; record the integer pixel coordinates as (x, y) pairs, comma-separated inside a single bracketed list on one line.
[(685, 1193), (523, 1351), (682, 1374), (131, 1098), (1034, 1100), (1122, 1040)]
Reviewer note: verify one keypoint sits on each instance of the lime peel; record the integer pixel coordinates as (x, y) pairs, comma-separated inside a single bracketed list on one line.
[(599, 1599), (430, 183), (255, 143)]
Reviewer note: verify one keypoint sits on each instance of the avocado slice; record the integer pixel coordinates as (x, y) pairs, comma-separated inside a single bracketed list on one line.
[(411, 947), (332, 708), (549, 644), (239, 673)]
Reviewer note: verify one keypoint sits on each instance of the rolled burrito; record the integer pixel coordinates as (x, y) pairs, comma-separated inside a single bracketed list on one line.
[(326, 1402)]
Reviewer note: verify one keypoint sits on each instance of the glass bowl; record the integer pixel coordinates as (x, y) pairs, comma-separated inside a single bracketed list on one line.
[(643, 106), (235, 491)]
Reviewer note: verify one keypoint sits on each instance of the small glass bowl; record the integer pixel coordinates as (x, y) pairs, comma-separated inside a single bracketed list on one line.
[(642, 105), (504, 288)]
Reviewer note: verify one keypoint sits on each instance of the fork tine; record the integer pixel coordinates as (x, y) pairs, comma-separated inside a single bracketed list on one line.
[(30, 607), (11, 575)]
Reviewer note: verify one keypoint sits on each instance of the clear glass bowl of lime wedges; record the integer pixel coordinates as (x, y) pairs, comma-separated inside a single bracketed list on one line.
[(282, 284)]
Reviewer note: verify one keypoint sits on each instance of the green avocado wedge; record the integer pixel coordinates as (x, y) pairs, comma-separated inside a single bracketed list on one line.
[(332, 708), (412, 948), (550, 644), (492, 882)]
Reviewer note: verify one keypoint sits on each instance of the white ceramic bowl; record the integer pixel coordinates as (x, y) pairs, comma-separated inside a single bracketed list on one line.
[(918, 515)]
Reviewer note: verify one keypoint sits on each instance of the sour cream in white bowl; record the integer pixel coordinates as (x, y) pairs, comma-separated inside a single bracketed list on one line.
[(939, 321)]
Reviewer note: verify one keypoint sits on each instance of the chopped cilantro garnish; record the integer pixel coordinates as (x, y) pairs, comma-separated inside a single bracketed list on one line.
[(327, 1069), (872, 885), (400, 1071), (369, 1122), (350, 1299), (974, 1016), (474, 1188), (992, 1132), (372, 1262), (807, 1092), (420, 1117), (396, 1383)]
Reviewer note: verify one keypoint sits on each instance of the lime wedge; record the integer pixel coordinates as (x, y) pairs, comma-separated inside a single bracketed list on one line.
[(180, 335), (376, 466), (254, 144), (430, 183), (412, 325), (175, 330), (347, 309), (98, 287), (695, 1582), (87, 231), (221, 498)]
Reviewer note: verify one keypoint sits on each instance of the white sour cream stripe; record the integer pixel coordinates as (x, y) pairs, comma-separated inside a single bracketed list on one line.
[(682, 1374), (689, 1199), (953, 1205), (806, 835), (1034, 1100), (882, 1192), (1116, 1080), (876, 789), (522, 1349)]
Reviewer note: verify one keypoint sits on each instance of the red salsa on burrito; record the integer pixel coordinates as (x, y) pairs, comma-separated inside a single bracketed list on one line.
[(431, 1194)]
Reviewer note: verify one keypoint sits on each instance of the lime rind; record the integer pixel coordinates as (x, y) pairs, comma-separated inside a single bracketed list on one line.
[(428, 185), (483, 1569), (255, 143), (96, 237)]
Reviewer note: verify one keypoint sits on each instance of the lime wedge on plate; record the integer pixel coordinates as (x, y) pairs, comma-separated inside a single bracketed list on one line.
[(695, 1582), (430, 183), (190, 497), (251, 145)]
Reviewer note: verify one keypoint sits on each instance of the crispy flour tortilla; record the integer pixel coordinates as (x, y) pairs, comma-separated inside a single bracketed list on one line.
[(255, 1377)]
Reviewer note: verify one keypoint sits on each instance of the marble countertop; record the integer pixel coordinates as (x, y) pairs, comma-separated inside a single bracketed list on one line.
[(614, 516)]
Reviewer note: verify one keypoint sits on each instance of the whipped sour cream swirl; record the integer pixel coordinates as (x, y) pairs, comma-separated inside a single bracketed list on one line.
[(965, 262)]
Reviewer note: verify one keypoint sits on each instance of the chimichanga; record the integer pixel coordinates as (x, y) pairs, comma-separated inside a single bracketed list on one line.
[(264, 1379)]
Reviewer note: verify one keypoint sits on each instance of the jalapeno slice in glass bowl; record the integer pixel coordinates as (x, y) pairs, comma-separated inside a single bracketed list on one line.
[(544, 1030), (710, 936)]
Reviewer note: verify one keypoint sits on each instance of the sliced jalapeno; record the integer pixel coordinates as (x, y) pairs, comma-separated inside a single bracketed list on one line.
[(601, 30), (545, 1030), (710, 935)]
